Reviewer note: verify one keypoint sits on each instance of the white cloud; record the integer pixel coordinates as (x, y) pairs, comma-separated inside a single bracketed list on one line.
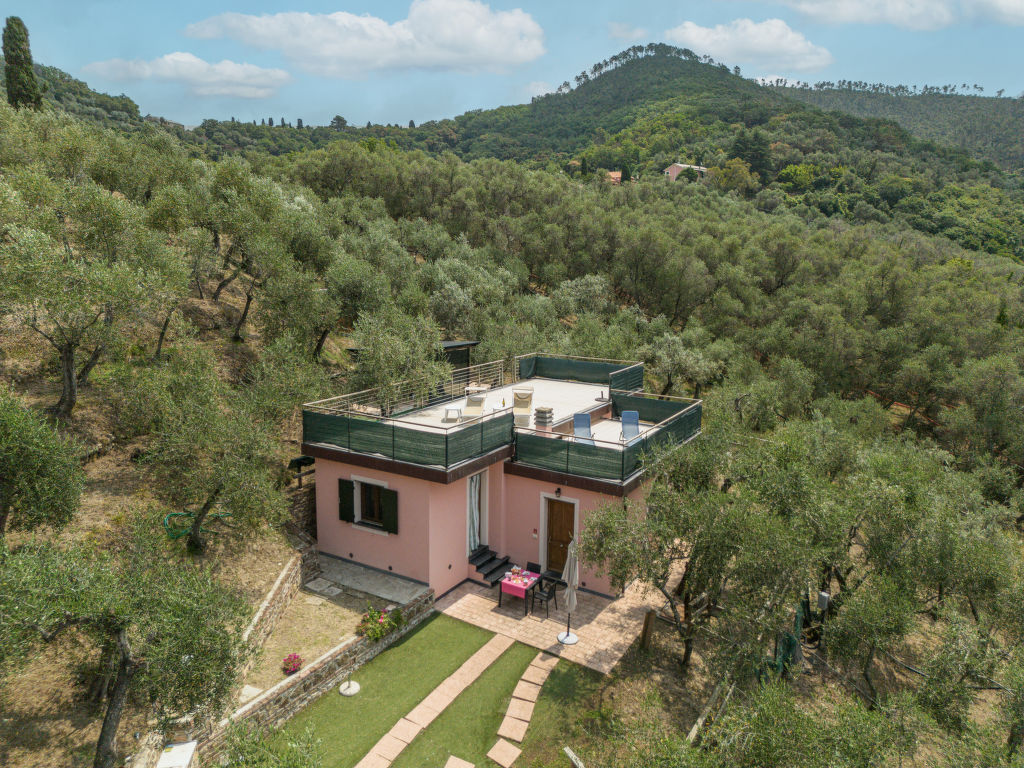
[(437, 34), (225, 78), (622, 31), (912, 14), (767, 44)]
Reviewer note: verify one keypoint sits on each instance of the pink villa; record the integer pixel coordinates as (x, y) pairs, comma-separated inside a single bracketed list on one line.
[(499, 465)]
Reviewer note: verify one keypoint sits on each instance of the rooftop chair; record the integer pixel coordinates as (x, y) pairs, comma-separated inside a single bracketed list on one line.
[(474, 406), (630, 426), (581, 428), (522, 403)]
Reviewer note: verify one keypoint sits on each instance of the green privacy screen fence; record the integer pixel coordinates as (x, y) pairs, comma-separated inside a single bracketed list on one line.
[(625, 376), (394, 441), (678, 422)]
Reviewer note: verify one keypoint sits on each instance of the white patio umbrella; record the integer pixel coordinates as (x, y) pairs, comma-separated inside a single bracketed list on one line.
[(571, 577)]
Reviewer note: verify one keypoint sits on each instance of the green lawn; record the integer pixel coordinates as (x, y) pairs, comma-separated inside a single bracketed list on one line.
[(469, 727), (563, 711), (392, 684)]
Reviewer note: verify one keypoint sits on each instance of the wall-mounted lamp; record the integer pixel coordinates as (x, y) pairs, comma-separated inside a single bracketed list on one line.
[(558, 493)]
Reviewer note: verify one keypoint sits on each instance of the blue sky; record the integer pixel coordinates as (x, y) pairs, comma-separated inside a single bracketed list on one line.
[(390, 61)]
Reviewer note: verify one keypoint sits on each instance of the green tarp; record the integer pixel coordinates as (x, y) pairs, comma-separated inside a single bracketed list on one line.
[(405, 444), (587, 371)]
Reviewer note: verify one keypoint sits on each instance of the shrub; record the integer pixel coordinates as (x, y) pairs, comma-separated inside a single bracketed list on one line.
[(292, 663), (379, 624)]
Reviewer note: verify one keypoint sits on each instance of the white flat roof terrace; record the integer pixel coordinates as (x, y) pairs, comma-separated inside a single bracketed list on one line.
[(564, 398)]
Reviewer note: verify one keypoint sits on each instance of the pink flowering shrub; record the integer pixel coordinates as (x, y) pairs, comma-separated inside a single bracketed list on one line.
[(292, 663), (378, 624)]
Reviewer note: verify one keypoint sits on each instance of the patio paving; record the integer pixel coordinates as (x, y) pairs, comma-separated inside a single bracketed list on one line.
[(358, 579), (606, 628)]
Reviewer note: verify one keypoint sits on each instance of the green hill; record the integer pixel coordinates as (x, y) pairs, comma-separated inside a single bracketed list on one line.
[(77, 98), (606, 99), (986, 126)]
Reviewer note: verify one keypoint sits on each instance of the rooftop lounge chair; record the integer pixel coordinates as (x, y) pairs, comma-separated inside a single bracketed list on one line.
[(474, 406), (581, 428), (522, 404), (630, 426)]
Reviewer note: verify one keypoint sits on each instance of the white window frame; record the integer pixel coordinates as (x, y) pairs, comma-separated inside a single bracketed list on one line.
[(357, 504), (542, 545), (484, 508)]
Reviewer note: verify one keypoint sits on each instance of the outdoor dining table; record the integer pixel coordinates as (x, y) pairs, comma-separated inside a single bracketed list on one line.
[(518, 585)]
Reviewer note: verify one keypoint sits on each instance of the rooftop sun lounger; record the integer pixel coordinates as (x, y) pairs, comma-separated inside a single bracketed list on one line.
[(630, 426), (522, 404), (474, 406), (581, 428)]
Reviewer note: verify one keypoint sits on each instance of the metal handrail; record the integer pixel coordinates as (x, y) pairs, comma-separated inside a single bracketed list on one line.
[(414, 394), (625, 363)]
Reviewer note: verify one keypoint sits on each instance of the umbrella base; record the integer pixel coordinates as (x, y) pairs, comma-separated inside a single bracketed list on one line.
[(568, 638), (349, 688)]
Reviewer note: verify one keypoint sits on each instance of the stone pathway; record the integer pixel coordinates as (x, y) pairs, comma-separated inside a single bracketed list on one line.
[(405, 730), (520, 710)]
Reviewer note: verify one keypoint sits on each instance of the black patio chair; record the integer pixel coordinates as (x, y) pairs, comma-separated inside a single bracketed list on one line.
[(546, 596), (535, 568)]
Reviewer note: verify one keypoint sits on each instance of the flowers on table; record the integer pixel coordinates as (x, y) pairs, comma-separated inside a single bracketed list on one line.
[(292, 663), (379, 624)]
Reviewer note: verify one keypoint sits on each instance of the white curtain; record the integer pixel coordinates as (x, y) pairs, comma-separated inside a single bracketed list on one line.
[(474, 512)]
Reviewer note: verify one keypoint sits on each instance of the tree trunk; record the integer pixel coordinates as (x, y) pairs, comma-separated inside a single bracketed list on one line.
[(237, 336), (5, 511), (69, 381), (668, 385), (162, 336), (320, 343), (108, 668), (94, 357), (83, 375), (1016, 738), (196, 540), (867, 677), (227, 281), (106, 755)]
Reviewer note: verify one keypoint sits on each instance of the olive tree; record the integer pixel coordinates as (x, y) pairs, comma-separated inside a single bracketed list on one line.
[(40, 476), (397, 350), (84, 279), (174, 632)]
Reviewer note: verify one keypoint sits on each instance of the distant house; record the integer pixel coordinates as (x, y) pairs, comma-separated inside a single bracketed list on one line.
[(675, 169), (615, 177)]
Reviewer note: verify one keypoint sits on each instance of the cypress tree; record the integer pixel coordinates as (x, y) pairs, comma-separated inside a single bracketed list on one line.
[(19, 79)]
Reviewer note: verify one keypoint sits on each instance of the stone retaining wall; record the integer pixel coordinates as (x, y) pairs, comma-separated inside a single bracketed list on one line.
[(302, 506), (276, 705)]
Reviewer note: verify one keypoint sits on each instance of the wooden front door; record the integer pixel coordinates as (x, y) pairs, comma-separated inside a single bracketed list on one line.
[(560, 526)]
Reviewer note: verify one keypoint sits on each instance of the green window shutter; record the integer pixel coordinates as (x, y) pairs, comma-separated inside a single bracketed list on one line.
[(389, 510), (346, 501)]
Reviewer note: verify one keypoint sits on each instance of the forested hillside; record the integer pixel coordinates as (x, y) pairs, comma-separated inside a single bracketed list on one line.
[(849, 300), (649, 107), (987, 127), (76, 98)]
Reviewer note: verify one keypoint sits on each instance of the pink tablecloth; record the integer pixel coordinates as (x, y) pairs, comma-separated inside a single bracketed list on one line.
[(518, 586)]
